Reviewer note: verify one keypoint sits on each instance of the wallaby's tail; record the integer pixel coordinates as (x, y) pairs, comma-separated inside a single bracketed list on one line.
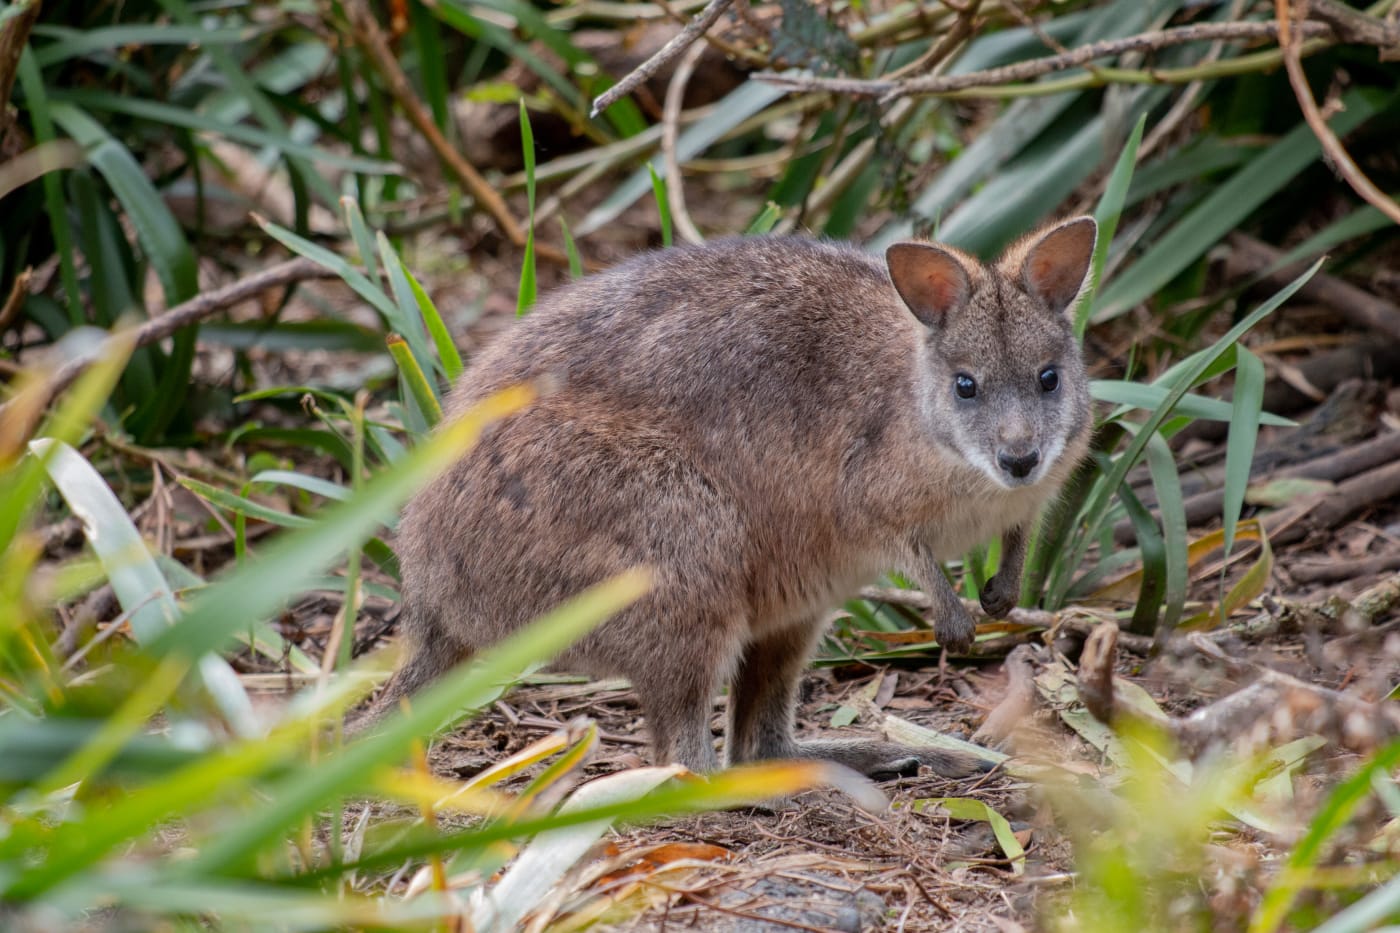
[(421, 668)]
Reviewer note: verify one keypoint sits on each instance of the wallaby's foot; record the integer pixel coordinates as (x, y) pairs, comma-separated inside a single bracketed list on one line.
[(953, 626), (1000, 595), (886, 760)]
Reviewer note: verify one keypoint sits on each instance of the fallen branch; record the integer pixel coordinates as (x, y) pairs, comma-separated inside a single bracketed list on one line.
[(1349, 568), (1359, 307), (1023, 71), (188, 312), (1341, 159), (1334, 467), (1275, 708), (678, 44), (1333, 508)]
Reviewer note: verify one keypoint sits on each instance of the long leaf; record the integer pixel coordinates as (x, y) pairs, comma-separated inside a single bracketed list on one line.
[(1244, 430)]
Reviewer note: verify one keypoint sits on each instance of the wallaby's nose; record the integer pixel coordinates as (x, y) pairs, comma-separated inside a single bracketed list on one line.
[(1019, 466)]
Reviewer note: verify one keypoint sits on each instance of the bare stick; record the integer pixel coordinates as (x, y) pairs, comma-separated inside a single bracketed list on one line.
[(198, 307), (1293, 63), (670, 129), (1036, 67), (678, 44)]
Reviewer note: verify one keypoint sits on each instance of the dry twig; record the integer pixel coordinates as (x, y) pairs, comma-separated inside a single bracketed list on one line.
[(197, 308), (1037, 67), (678, 44), (670, 129)]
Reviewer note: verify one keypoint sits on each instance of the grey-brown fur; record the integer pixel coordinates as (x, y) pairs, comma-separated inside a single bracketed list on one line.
[(766, 425)]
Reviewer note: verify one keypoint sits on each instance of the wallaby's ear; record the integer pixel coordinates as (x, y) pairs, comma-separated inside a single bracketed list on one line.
[(1057, 263), (931, 280)]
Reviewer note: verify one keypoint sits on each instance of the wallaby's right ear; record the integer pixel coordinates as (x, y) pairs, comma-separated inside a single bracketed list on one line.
[(932, 281)]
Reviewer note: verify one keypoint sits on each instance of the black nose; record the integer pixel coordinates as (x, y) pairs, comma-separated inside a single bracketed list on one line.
[(1019, 467)]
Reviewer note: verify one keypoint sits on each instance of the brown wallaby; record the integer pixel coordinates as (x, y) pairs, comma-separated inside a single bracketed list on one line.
[(767, 423)]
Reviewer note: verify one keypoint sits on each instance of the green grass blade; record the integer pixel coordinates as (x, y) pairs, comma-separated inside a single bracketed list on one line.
[(37, 103), (1244, 430), (359, 232), (766, 220), (663, 205), (160, 236), (1154, 564), (525, 298), (1148, 396), (448, 357), (240, 505), (136, 580), (414, 380), (1167, 482), (1108, 213), (571, 248), (409, 310)]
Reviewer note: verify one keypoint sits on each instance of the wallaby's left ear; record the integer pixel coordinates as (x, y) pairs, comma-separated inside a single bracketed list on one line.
[(1057, 264)]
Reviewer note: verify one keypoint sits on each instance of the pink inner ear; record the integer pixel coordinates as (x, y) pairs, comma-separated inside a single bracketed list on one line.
[(1056, 266), (943, 289)]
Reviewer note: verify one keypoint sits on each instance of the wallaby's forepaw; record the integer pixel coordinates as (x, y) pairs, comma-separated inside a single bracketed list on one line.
[(999, 596), (954, 629)]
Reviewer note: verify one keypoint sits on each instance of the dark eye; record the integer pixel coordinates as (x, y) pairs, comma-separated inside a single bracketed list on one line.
[(1049, 379), (964, 385)]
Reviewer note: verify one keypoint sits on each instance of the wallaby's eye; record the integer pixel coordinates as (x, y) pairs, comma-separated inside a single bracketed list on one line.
[(1049, 379), (964, 385)]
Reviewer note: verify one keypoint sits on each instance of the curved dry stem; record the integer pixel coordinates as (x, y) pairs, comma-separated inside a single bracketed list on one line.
[(1346, 166), (670, 122)]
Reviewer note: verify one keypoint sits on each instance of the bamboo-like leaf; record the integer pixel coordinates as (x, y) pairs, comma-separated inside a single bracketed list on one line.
[(241, 505), (663, 205), (138, 583), (1226, 206), (1107, 214), (969, 808), (571, 249), (525, 298), (1165, 480), (1153, 578), (410, 312), (416, 382), (1244, 430)]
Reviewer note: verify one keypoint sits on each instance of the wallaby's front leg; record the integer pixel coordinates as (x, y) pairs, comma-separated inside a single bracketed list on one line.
[(952, 624), (1003, 590)]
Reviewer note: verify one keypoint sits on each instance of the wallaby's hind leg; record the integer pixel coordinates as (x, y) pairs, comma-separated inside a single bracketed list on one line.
[(428, 655), (761, 705), (677, 677)]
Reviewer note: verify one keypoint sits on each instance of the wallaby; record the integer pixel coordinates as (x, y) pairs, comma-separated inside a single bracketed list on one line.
[(767, 423)]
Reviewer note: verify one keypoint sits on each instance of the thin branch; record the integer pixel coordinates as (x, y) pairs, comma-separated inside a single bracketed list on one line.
[(670, 129), (678, 44), (1349, 170), (197, 308), (1034, 68)]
